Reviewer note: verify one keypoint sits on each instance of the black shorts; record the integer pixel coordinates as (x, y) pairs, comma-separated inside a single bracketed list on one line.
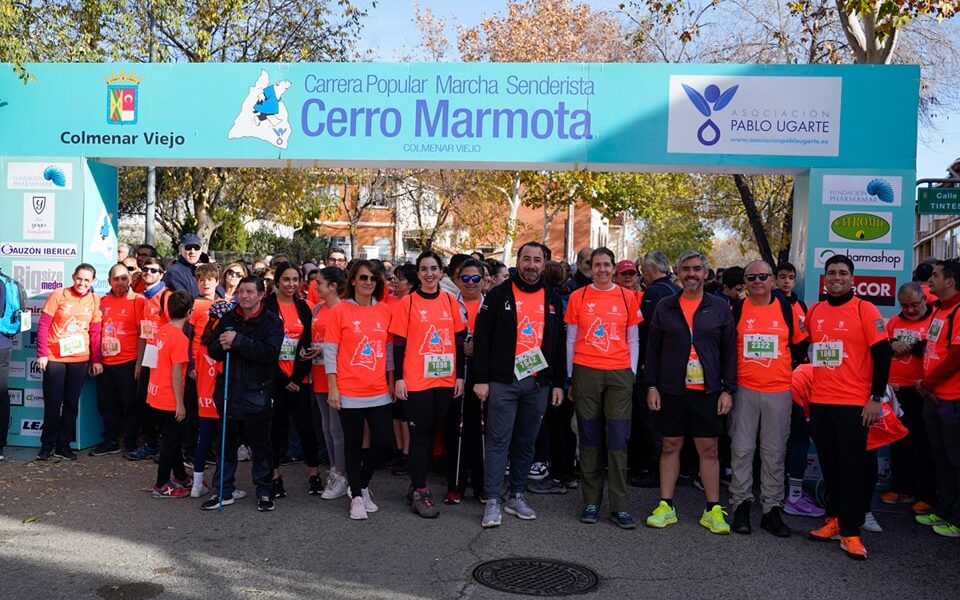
[(694, 413)]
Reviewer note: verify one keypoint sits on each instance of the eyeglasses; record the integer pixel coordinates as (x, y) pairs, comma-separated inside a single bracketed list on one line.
[(192, 247), (233, 273), (470, 278), (760, 276), (152, 270), (391, 278), (365, 277)]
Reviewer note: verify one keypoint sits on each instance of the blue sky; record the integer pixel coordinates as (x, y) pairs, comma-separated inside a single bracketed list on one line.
[(391, 35)]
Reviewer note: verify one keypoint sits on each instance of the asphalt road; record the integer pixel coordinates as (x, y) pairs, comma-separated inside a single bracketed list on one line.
[(91, 530)]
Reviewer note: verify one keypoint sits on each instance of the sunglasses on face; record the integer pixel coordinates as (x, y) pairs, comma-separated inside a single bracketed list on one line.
[(193, 247), (391, 278), (152, 270), (234, 274), (365, 277), (470, 278), (760, 276)]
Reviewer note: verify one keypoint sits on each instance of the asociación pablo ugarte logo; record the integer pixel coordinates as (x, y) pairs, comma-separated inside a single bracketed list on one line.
[(123, 95), (710, 102)]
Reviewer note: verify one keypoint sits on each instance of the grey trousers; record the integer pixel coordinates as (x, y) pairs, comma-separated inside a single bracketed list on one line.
[(766, 414)]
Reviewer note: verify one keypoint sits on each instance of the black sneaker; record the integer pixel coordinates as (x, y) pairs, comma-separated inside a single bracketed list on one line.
[(316, 486), (213, 503), (265, 504), (773, 523), (65, 454), (546, 486), (400, 468), (289, 460), (741, 519), (105, 448), (44, 454), (278, 489)]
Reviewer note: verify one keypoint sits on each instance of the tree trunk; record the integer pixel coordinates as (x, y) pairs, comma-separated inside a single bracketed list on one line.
[(753, 215), (787, 235), (513, 199)]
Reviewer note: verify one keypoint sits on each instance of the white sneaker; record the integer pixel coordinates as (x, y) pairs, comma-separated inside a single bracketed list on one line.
[(870, 524), (491, 514), (538, 471), (358, 511), (196, 492), (243, 453), (368, 500), (239, 494), (336, 487)]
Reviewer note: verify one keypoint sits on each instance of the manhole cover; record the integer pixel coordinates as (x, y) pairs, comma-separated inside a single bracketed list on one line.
[(536, 577), (137, 590)]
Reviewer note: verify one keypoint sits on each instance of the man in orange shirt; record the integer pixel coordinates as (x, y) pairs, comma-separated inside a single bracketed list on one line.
[(768, 327), (851, 364), (940, 388)]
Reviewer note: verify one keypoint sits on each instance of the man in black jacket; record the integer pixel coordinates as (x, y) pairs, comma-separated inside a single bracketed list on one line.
[(180, 276), (519, 361), (691, 378), (248, 339)]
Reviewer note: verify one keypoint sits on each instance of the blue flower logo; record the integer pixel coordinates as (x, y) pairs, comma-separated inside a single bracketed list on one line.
[(881, 189), (55, 176), (709, 102)]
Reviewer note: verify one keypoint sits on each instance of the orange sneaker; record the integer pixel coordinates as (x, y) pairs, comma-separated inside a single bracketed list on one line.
[(853, 547), (921, 508), (830, 531), (896, 498)]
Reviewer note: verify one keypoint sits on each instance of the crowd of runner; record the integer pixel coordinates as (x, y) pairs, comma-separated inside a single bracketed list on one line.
[(600, 376)]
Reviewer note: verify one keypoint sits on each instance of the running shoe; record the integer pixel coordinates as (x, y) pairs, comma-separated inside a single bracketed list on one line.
[(65, 454), (921, 508), (184, 483), (491, 514), (547, 485), (772, 522), (44, 454), (278, 490), (804, 507), (213, 503), (368, 500), (265, 504), (947, 530), (316, 487), (400, 467), (590, 514), (663, 515), (741, 518), (482, 497), (896, 498), (931, 520), (170, 490), (829, 531), (422, 504), (538, 470), (105, 448), (853, 547), (713, 520), (517, 506), (289, 460), (452, 497), (623, 520), (870, 524), (358, 511), (197, 491), (142, 453), (336, 488)]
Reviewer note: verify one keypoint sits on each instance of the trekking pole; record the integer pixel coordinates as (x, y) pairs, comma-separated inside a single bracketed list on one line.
[(463, 400), (223, 432)]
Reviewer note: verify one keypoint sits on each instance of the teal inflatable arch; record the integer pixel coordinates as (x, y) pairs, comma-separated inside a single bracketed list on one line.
[(846, 133)]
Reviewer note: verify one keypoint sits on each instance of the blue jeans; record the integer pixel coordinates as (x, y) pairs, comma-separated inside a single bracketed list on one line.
[(257, 433), (514, 413)]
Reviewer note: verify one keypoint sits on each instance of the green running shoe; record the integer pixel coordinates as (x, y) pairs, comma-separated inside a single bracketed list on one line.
[(663, 515), (713, 520), (930, 520), (947, 530)]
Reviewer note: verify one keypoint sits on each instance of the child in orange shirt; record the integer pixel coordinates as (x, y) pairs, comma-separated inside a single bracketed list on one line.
[(165, 395)]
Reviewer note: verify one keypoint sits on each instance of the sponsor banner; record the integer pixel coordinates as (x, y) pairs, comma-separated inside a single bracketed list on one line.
[(33, 398), (39, 216), (794, 116), (880, 290), (870, 259), (863, 190), (18, 369), (39, 278), (16, 397), (39, 176), (850, 226), (38, 250), (31, 427), (34, 373)]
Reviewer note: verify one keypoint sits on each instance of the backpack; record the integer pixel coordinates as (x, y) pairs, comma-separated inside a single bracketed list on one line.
[(14, 300)]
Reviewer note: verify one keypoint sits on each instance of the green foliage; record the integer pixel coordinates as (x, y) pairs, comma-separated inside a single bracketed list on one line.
[(301, 248), (231, 236), (674, 231)]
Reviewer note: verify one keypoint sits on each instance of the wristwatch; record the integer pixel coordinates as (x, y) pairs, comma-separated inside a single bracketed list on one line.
[(876, 398)]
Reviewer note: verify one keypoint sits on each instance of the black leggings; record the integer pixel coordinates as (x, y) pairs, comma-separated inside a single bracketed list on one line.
[(360, 466), (62, 383), (425, 411), (296, 403), (171, 455)]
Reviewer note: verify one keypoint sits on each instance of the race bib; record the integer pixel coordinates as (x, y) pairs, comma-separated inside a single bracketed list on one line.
[(758, 345), (151, 357), (906, 336), (529, 362), (694, 372), (147, 330), (72, 344), (110, 346), (437, 366), (827, 354), (936, 326), (288, 349), (26, 320)]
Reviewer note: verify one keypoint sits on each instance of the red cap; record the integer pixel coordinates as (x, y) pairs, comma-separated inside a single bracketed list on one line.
[(626, 265)]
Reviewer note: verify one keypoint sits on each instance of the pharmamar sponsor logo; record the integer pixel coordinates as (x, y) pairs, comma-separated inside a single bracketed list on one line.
[(866, 190), (39, 176), (863, 258)]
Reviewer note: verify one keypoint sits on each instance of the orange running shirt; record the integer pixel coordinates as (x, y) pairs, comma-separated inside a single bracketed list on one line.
[(840, 340), (362, 333), (473, 307), (689, 308), (906, 370), (173, 348), (292, 330), (319, 326), (120, 334), (764, 362), (530, 319), (602, 319), (69, 338), (199, 319), (152, 319), (429, 327), (936, 351)]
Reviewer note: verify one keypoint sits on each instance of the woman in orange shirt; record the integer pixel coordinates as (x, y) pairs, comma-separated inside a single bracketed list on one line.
[(68, 347), (358, 361), (429, 331), (292, 394)]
